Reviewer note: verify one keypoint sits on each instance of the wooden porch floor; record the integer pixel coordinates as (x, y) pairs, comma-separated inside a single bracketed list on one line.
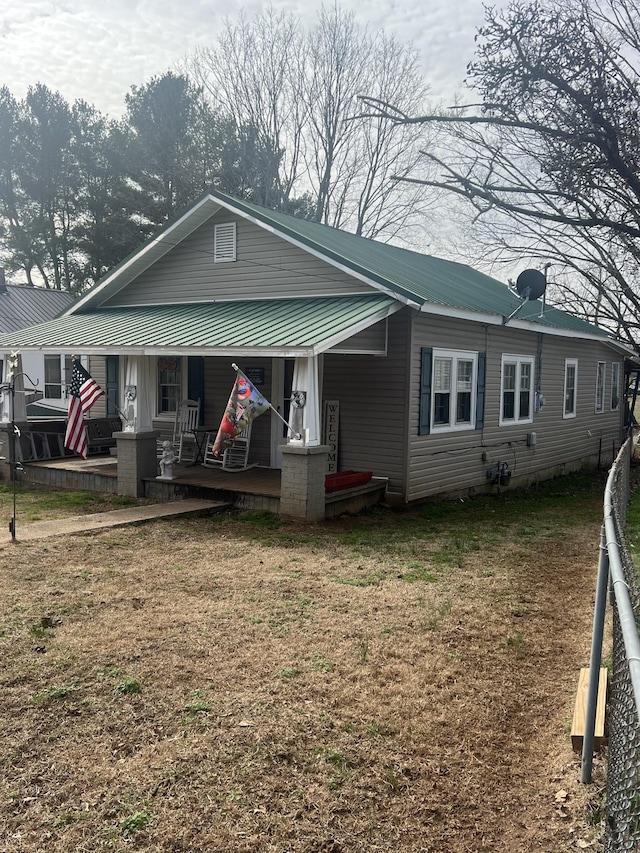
[(253, 481), (254, 489)]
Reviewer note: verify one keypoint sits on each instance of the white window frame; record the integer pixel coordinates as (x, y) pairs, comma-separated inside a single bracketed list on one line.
[(517, 361), (570, 363), (601, 372), (616, 385), (456, 357), (63, 376), (224, 242), (168, 413)]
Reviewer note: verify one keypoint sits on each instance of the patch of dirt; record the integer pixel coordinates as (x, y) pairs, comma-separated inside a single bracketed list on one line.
[(214, 685)]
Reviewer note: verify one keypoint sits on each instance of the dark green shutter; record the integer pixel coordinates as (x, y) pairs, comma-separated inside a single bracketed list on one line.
[(426, 361), (482, 381), (112, 385), (195, 381)]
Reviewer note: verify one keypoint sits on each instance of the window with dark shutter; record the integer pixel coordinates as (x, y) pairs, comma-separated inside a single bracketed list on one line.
[(451, 390), (426, 359)]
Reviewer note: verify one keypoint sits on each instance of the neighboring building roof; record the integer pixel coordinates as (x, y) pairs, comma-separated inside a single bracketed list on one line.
[(273, 327), (23, 306)]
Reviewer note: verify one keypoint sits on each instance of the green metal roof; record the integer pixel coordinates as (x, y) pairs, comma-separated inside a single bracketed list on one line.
[(42, 411), (295, 325), (423, 279), (428, 283)]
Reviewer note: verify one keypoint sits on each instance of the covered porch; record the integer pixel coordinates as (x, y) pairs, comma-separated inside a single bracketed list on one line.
[(328, 353), (257, 489)]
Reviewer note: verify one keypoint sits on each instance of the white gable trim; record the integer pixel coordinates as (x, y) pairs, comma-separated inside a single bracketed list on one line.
[(149, 253)]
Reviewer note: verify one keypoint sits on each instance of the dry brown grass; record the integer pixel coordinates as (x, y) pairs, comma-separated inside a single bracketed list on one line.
[(388, 683)]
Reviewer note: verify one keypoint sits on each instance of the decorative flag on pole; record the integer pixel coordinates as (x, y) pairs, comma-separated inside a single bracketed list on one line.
[(83, 393), (245, 404)]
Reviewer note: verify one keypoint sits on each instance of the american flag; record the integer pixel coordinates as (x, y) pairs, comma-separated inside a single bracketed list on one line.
[(83, 393)]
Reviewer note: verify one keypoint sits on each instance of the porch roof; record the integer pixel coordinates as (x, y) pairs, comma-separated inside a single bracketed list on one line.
[(288, 327)]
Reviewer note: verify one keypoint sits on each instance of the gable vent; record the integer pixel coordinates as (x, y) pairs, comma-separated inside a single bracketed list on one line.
[(224, 242)]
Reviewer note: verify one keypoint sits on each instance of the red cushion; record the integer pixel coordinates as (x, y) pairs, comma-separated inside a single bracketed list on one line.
[(346, 480)]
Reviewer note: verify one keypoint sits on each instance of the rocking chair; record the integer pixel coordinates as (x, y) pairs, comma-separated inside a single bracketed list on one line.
[(235, 457), (183, 441)]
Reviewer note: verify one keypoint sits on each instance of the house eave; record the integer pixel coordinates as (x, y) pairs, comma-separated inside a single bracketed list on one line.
[(287, 328), (523, 325)]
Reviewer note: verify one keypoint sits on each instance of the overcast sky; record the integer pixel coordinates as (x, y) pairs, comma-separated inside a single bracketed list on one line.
[(98, 49)]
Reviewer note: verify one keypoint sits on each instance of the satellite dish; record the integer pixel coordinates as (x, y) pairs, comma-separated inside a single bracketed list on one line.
[(531, 284)]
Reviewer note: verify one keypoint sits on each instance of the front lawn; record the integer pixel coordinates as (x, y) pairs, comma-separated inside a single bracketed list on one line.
[(393, 682)]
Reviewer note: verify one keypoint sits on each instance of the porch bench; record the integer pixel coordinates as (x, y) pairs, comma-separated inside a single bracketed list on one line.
[(100, 433)]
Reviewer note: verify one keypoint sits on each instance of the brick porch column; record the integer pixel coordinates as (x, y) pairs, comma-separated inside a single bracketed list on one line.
[(302, 483), (137, 458)]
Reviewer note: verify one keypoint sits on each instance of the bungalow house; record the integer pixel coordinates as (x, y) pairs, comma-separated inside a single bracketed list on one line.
[(423, 371)]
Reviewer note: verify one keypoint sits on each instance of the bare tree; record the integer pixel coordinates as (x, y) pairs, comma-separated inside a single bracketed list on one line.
[(254, 76), (548, 159), (300, 90), (78, 191)]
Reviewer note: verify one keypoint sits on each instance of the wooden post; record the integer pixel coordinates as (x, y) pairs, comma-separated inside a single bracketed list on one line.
[(580, 710)]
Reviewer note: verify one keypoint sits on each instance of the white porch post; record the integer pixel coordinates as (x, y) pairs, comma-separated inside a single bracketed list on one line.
[(306, 378), (16, 408), (304, 463), (5, 393), (13, 408), (6, 447), (137, 457), (138, 404)]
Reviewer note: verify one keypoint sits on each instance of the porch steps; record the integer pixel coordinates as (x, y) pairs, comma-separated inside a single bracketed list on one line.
[(106, 520)]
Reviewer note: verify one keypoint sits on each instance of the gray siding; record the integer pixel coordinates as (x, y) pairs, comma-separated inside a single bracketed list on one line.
[(444, 463), (267, 266), (97, 367), (373, 339), (372, 395)]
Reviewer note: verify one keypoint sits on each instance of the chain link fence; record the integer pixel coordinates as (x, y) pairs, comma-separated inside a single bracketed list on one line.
[(622, 831)]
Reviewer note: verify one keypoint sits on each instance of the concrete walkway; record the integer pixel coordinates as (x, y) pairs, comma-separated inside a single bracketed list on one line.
[(105, 520)]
